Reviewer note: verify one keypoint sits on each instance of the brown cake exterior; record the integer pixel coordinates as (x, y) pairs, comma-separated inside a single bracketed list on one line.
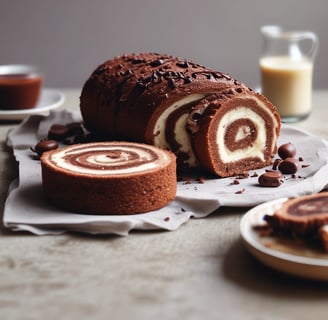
[(150, 98), (303, 216), (112, 178)]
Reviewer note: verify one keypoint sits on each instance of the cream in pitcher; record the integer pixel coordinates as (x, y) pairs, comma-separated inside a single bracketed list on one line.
[(286, 71)]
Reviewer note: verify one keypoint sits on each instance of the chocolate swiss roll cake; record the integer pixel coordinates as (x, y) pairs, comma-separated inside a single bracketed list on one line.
[(109, 177), (303, 216), (207, 118)]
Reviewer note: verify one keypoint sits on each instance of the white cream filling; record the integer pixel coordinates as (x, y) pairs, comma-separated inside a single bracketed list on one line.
[(243, 132), (159, 128), (105, 161), (182, 136), (254, 150)]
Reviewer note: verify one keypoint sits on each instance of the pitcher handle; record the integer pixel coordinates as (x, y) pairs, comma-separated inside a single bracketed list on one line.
[(308, 35)]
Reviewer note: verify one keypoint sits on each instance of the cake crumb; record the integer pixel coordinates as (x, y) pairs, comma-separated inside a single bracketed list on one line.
[(240, 191), (243, 175), (201, 180)]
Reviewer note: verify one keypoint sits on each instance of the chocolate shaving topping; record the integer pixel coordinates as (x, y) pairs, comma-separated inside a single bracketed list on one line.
[(157, 62), (183, 64), (187, 80), (171, 83), (140, 86), (137, 61), (126, 72)]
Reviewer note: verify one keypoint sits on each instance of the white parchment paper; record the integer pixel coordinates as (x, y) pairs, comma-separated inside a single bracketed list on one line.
[(27, 210)]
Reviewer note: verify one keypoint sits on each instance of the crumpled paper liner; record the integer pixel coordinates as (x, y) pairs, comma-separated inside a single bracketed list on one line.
[(27, 210)]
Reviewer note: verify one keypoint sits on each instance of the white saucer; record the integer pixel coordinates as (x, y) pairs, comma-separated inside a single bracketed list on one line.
[(50, 99), (300, 261)]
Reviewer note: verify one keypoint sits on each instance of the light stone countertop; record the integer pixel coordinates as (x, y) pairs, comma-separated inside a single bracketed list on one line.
[(200, 271)]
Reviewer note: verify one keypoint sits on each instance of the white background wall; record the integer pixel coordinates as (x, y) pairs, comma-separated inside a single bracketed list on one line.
[(69, 38)]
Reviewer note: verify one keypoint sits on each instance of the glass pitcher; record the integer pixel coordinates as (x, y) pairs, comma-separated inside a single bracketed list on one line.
[(286, 65)]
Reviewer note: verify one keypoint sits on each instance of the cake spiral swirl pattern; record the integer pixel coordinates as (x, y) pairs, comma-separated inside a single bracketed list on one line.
[(109, 177), (207, 118)]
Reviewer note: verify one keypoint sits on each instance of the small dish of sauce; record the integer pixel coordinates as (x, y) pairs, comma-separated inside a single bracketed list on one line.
[(20, 86)]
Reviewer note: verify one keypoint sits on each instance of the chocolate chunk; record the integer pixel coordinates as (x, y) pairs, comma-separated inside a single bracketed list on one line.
[(243, 175), (74, 129), (240, 191), (286, 150), (137, 61), (183, 64), (57, 132), (288, 166), (45, 145), (276, 164), (187, 80), (270, 179)]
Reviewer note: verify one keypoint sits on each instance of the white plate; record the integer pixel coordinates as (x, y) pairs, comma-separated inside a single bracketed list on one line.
[(287, 256), (50, 99)]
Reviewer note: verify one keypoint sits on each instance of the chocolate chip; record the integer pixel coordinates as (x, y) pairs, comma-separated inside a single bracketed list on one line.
[(45, 145), (157, 62), (286, 150), (288, 166), (270, 179), (57, 132)]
